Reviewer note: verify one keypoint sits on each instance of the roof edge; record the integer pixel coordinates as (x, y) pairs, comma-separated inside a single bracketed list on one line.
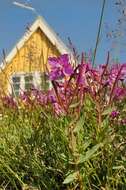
[(47, 30)]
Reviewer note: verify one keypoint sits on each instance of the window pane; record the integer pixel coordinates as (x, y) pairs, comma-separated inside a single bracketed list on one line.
[(16, 85), (16, 93), (28, 82), (44, 81), (28, 86), (28, 78), (16, 79)]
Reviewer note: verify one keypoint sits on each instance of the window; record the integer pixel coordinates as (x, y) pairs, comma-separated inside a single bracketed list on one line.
[(16, 85), (24, 82), (28, 82), (44, 81)]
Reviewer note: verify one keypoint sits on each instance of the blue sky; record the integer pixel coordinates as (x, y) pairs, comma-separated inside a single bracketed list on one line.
[(77, 19)]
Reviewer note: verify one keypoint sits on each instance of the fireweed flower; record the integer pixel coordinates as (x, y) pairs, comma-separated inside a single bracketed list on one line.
[(114, 114), (114, 71), (82, 80), (42, 98), (71, 84), (119, 93), (9, 102), (58, 109), (60, 67), (51, 96), (123, 122), (25, 98), (87, 74)]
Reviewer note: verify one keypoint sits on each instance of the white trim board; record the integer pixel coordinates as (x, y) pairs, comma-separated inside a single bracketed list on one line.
[(47, 30)]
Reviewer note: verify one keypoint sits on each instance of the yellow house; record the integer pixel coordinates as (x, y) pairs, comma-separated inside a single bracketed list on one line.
[(26, 64)]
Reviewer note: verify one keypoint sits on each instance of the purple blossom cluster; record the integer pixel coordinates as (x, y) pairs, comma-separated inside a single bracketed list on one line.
[(114, 114), (9, 102), (60, 67), (105, 84)]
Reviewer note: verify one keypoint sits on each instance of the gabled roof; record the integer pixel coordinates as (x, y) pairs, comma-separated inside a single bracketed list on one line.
[(47, 30)]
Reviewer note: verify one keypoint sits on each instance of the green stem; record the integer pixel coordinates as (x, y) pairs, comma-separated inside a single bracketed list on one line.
[(99, 31)]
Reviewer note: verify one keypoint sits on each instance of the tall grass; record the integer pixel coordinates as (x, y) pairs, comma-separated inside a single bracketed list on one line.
[(81, 147), (30, 147)]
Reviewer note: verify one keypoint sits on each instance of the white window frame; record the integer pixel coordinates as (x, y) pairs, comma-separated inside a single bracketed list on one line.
[(36, 81), (16, 83)]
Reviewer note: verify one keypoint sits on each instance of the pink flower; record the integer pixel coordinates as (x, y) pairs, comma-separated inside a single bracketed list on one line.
[(9, 102), (123, 121), (58, 109), (60, 67), (25, 98), (82, 79), (51, 96), (114, 72), (114, 114), (119, 92)]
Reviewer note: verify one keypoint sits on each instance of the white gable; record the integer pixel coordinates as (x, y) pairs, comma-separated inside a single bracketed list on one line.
[(47, 30)]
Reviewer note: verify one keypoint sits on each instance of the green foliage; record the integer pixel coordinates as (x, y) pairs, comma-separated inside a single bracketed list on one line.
[(30, 149), (70, 178), (40, 151)]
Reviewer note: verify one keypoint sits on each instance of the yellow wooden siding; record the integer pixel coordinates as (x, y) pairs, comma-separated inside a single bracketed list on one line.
[(31, 57)]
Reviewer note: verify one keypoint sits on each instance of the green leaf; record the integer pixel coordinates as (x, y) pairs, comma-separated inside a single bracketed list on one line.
[(70, 178), (124, 108), (105, 123), (107, 111), (118, 167), (63, 157), (89, 154), (79, 125), (86, 144), (74, 105)]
